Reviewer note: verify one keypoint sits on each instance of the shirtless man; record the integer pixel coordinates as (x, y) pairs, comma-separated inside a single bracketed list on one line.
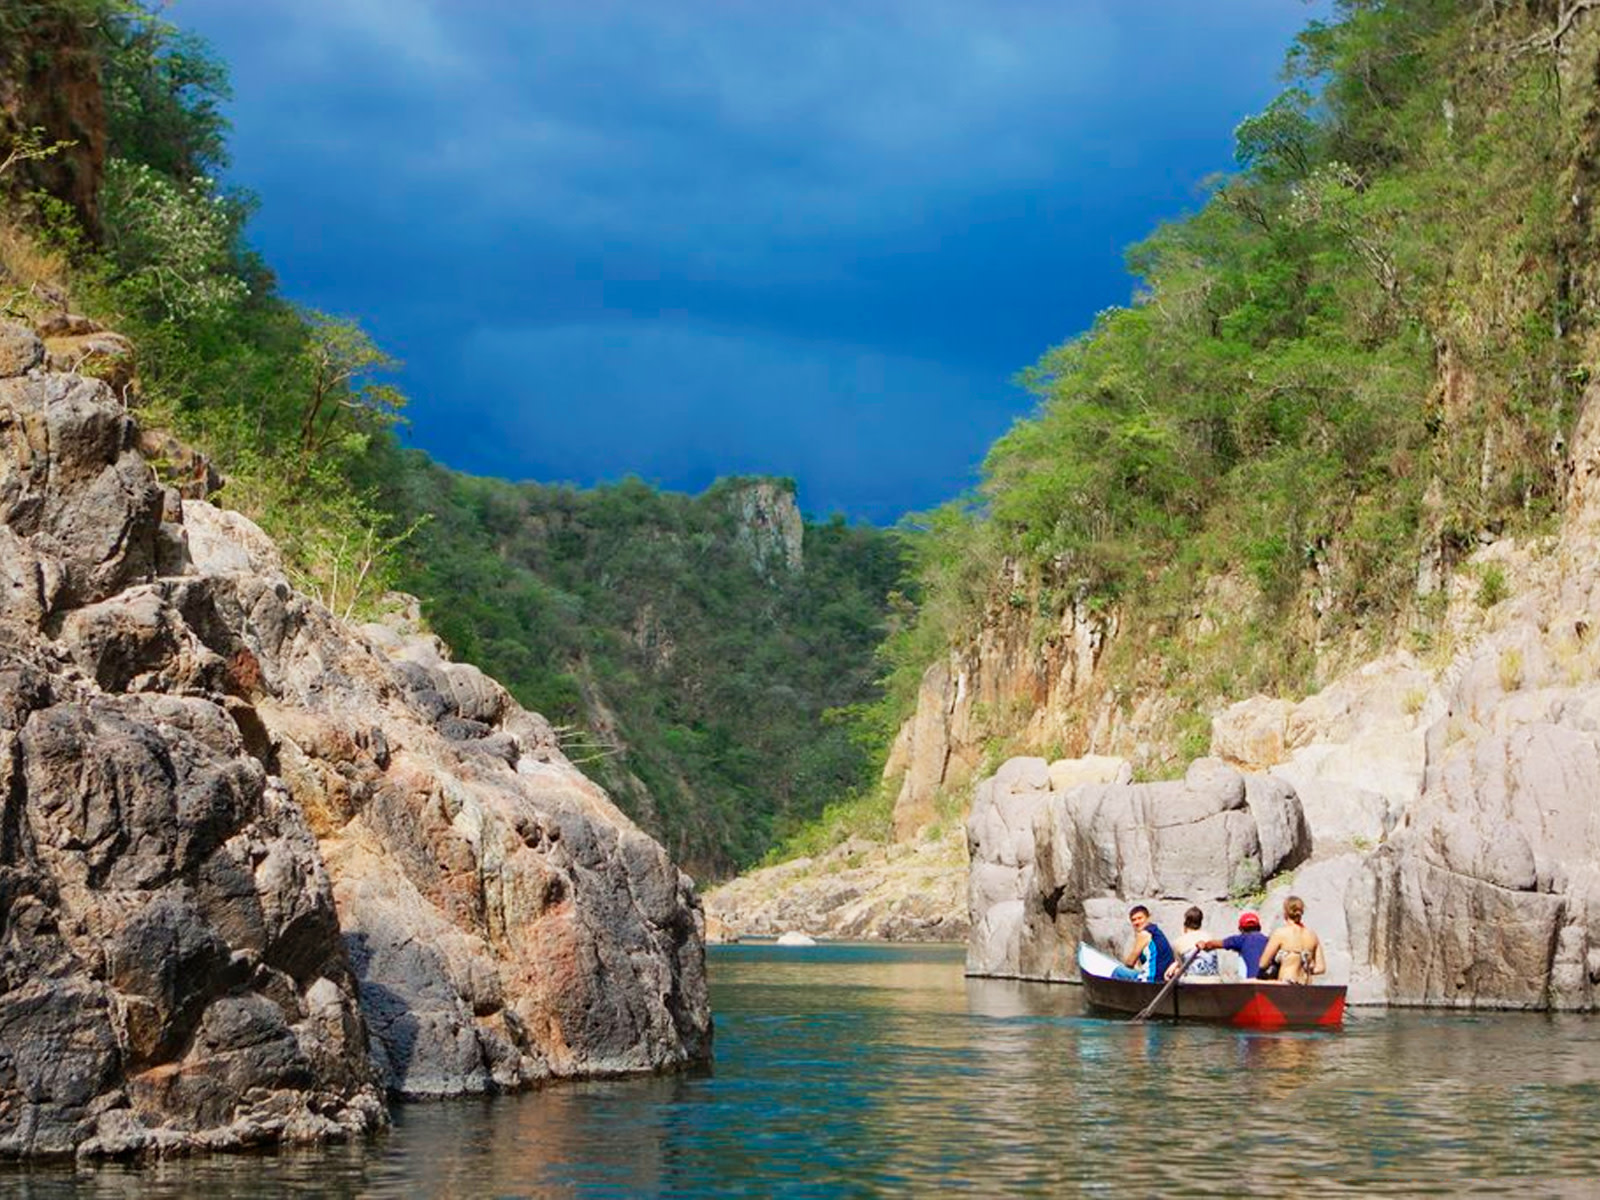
[(1195, 940), (1296, 949)]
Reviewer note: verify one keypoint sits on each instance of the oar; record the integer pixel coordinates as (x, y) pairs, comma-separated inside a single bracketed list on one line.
[(1171, 983)]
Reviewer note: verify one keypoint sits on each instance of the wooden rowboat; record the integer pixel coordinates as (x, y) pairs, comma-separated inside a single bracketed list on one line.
[(1251, 1004)]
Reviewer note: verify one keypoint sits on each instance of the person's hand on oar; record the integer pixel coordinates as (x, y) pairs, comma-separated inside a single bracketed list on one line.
[(1172, 982)]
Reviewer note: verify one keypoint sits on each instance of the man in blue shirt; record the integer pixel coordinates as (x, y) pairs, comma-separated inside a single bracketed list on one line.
[(1150, 954), (1248, 943)]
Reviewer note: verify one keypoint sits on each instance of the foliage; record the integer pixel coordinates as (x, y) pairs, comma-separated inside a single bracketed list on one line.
[(1360, 348), (339, 361), (164, 90), (730, 692), (171, 244), (30, 145), (1492, 585), (248, 377)]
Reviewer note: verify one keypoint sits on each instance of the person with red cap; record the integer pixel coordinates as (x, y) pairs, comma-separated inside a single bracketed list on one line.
[(1248, 943)]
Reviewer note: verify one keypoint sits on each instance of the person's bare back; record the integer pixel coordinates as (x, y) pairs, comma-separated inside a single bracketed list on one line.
[(1295, 948)]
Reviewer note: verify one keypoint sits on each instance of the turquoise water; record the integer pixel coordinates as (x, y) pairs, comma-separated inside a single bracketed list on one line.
[(869, 1070)]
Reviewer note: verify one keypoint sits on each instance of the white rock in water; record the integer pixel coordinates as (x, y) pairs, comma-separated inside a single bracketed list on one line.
[(796, 939)]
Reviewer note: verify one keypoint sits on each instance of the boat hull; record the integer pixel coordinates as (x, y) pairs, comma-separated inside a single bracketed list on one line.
[(1248, 1005)]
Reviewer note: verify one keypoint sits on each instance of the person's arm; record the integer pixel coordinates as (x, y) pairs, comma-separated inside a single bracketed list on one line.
[(1318, 965), (1268, 954), (1140, 941), (1213, 944)]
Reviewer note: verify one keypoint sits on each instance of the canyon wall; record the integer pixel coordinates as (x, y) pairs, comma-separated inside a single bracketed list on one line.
[(1451, 805), (260, 868)]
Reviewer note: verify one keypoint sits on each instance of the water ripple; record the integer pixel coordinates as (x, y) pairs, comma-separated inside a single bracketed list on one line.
[(859, 1070)]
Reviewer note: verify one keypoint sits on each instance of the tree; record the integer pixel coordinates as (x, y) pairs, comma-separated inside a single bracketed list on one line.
[(340, 360), (1278, 144)]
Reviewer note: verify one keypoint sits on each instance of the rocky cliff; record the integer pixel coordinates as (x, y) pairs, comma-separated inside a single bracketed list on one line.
[(860, 890), (1006, 680), (768, 526), (1450, 851), (1050, 867), (259, 868)]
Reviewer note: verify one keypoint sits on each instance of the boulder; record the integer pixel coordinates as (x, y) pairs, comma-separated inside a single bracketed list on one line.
[(1353, 795), (20, 349), (1049, 868), (222, 542), (99, 353), (1486, 896), (188, 471), (1091, 768), (162, 890), (66, 324), (74, 488), (1252, 734)]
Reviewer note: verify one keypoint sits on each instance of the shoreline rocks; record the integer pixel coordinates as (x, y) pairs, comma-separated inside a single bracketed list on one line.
[(259, 869), (857, 891), (1051, 868)]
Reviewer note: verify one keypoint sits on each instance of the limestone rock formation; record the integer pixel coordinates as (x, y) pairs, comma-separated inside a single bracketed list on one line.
[(1007, 669), (258, 867), (1450, 853), (1052, 867), (1354, 752), (859, 891), (768, 526)]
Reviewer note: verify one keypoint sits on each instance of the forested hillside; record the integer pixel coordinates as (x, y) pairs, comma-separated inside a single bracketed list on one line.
[(692, 671), (693, 648), (1358, 359)]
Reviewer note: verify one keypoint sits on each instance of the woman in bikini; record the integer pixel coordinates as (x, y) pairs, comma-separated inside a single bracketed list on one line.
[(1296, 949)]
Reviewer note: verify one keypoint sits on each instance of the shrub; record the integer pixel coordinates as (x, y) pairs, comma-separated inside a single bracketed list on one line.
[(1492, 585)]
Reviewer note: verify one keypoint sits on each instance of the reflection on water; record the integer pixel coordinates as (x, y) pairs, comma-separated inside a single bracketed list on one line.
[(871, 1070)]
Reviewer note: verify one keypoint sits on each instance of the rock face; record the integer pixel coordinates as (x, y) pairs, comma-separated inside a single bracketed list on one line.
[(50, 80), (1005, 670), (1355, 752), (258, 867), (859, 891), (1450, 851), (1488, 892), (768, 526), (1050, 868)]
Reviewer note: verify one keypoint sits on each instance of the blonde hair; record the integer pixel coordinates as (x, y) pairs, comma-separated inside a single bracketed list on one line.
[(1294, 908)]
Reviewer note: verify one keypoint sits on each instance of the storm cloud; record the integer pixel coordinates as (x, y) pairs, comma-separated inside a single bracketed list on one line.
[(683, 240)]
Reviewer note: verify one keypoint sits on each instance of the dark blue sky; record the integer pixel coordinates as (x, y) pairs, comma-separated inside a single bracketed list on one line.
[(691, 238)]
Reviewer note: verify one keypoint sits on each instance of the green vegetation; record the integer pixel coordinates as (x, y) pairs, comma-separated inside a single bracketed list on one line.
[(1492, 585), (698, 678), (1367, 343), (288, 403)]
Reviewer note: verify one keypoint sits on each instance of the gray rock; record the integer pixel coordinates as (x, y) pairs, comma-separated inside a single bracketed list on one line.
[(1050, 868), (104, 355), (1485, 897), (72, 486), (146, 919), (20, 349), (67, 324), (237, 831)]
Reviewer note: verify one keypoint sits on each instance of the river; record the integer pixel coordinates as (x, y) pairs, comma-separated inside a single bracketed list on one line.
[(866, 1070)]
